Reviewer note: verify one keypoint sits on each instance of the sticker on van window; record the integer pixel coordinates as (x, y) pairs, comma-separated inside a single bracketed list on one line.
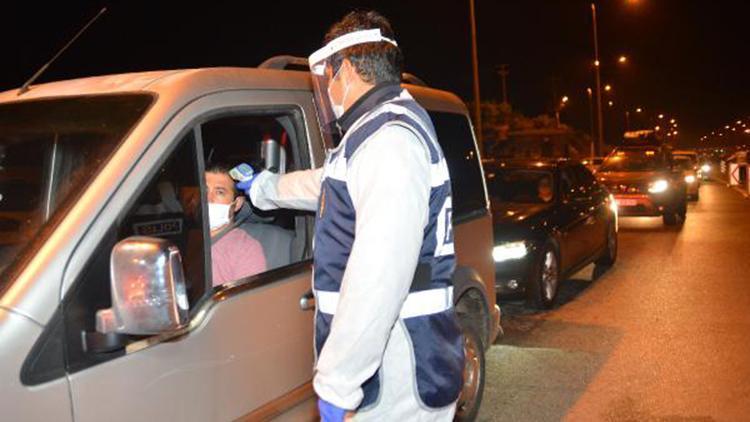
[(158, 227)]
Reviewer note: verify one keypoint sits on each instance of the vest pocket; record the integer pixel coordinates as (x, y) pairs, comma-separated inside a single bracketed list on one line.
[(437, 344)]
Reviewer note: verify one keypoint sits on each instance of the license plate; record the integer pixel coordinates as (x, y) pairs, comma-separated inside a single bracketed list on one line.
[(627, 202)]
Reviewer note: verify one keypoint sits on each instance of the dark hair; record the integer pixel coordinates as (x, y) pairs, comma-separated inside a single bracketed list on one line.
[(222, 168), (375, 62)]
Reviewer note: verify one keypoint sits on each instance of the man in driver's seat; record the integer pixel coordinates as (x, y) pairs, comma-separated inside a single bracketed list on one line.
[(234, 254)]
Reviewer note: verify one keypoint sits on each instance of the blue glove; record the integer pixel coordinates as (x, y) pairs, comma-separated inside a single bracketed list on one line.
[(244, 175), (329, 412)]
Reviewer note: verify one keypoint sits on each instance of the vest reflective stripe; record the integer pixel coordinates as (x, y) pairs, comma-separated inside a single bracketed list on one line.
[(425, 302)]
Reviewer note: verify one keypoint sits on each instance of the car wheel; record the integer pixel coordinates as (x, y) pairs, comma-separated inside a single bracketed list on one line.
[(546, 280), (697, 196), (470, 398), (670, 218), (609, 256), (682, 212)]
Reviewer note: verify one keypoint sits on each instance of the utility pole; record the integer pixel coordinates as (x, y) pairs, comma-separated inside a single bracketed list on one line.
[(597, 63), (475, 66), (503, 71)]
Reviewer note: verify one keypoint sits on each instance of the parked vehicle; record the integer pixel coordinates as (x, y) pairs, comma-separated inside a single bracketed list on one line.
[(107, 309), (645, 182), (551, 218)]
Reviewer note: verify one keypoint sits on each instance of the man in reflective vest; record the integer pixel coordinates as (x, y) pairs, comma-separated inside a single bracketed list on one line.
[(388, 341)]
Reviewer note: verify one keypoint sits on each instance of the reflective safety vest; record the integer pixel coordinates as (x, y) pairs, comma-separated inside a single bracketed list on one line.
[(427, 312)]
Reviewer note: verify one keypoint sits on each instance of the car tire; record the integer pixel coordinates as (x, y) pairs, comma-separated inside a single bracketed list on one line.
[(682, 212), (609, 256), (669, 218), (545, 280), (472, 390)]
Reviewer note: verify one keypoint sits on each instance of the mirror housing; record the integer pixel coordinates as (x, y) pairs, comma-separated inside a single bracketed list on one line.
[(148, 289)]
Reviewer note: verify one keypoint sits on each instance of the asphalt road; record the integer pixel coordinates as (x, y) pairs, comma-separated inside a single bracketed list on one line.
[(662, 336)]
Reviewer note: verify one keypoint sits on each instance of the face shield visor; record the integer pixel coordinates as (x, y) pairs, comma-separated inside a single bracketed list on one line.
[(323, 72)]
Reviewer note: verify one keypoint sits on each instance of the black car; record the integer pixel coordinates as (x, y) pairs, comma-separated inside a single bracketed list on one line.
[(551, 218)]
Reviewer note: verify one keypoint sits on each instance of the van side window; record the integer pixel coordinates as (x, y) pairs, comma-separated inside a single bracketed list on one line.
[(457, 142), (267, 141), (168, 207)]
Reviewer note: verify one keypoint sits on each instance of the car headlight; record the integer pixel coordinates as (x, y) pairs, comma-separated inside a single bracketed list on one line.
[(658, 186), (705, 168), (690, 178), (511, 250)]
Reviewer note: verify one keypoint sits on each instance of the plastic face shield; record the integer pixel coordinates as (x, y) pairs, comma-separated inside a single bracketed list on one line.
[(322, 71)]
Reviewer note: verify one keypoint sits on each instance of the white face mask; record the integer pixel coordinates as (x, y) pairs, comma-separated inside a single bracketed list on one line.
[(338, 109), (218, 215)]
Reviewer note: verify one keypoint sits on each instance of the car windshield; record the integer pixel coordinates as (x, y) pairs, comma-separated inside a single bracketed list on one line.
[(48, 150), (684, 163), (638, 160), (521, 186)]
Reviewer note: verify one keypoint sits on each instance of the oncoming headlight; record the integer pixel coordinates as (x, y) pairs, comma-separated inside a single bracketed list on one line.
[(705, 168), (511, 250), (658, 186), (690, 178)]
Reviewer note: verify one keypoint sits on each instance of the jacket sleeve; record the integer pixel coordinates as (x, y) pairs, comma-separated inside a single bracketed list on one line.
[(297, 190), (389, 183)]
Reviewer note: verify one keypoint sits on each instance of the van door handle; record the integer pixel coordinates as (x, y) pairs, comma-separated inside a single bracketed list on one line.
[(307, 301)]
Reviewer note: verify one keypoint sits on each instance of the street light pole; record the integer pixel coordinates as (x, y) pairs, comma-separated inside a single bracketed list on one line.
[(600, 114), (592, 151), (502, 70), (475, 66), (627, 119)]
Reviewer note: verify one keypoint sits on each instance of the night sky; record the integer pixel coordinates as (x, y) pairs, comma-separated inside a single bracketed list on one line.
[(687, 59)]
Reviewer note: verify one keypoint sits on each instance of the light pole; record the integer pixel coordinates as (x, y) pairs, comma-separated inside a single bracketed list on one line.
[(563, 101), (503, 71), (590, 95), (599, 113), (475, 65)]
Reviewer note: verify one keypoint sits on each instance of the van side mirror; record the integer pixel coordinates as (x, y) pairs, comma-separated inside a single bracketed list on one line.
[(149, 295)]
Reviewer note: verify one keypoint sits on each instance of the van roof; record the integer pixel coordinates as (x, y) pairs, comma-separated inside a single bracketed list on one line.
[(193, 83)]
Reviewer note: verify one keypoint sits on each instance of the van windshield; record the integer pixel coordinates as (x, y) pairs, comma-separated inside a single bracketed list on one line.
[(49, 149)]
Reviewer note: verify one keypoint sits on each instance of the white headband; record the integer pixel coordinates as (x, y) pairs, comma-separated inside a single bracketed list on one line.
[(346, 41)]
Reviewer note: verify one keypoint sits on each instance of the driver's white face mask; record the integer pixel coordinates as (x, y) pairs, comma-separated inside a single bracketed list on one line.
[(218, 215), (338, 108)]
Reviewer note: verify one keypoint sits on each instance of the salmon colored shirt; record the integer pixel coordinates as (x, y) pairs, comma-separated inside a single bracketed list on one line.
[(236, 255)]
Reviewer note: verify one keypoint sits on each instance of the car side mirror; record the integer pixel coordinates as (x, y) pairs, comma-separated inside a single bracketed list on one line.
[(148, 289)]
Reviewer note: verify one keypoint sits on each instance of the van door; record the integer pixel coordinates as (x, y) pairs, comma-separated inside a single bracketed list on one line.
[(248, 351)]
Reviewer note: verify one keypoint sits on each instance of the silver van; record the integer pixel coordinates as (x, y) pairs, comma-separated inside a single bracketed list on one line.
[(107, 308)]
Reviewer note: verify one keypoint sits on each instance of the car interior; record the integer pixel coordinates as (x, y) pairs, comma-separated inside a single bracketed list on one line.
[(266, 142)]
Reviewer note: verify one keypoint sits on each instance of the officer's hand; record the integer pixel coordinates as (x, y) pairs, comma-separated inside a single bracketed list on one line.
[(329, 412), (244, 175)]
